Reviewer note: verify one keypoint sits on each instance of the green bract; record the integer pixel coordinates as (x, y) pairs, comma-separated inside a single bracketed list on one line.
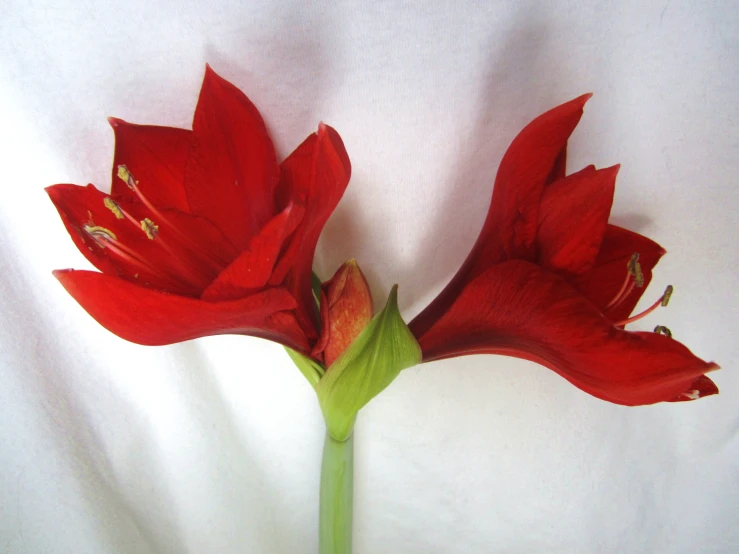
[(310, 368), (366, 367)]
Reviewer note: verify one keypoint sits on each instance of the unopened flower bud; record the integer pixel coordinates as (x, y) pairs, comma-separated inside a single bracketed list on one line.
[(346, 309)]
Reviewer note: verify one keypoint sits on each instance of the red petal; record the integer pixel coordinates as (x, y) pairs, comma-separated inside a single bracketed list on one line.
[(559, 171), (572, 220), (253, 268), (534, 157), (517, 309), (314, 175), (510, 228), (231, 171), (156, 157), (153, 318), (609, 271), (699, 388)]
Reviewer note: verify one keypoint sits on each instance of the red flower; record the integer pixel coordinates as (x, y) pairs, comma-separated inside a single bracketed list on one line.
[(549, 280), (203, 232)]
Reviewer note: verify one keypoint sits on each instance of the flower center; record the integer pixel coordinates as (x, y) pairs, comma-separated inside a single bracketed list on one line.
[(192, 265)]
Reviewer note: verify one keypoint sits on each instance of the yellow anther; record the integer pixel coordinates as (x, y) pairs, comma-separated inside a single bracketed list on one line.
[(634, 268), (150, 228), (662, 330), (95, 231), (126, 176), (666, 296), (638, 275), (632, 262), (113, 206)]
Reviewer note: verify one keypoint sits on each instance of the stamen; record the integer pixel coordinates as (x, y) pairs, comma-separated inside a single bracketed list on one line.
[(193, 277), (662, 330), (633, 271), (638, 275), (150, 228), (622, 292), (127, 177), (667, 295), (196, 275), (119, 212), (107, 239), (631, 265), (113, 206), (97, 232), (663, 300)]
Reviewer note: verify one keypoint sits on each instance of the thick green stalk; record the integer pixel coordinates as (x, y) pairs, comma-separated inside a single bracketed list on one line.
[(337, 493)]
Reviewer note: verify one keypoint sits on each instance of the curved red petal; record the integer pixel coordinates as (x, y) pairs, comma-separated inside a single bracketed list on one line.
[(156, 157), (231, 171), (572, 220), (517, 309), (602, 283), (534, 158), (253, 268), (559, 170), (153, 318), (699, 388), (315, 175), (510, 227)]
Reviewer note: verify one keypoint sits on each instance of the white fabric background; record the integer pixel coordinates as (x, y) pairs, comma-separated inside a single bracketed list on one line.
[(213, 446)]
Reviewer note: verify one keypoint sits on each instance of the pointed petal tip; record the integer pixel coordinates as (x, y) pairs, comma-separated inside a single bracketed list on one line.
[(116, 122), (611, 171), (584, 98), (578, 104), (211, 73), (712, 366), (699, 388), (61, 274)]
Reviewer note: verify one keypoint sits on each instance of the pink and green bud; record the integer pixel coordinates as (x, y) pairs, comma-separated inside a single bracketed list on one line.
[(346, 309)]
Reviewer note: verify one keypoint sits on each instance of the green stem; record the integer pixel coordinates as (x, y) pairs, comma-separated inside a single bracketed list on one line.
[(337, 493)]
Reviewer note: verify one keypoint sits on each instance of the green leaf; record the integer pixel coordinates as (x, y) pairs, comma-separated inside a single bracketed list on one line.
[(310, 368), (366, 367)]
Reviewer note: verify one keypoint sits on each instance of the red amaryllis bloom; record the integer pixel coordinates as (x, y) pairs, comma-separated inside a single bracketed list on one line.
[(203, 232), (549, 280)]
